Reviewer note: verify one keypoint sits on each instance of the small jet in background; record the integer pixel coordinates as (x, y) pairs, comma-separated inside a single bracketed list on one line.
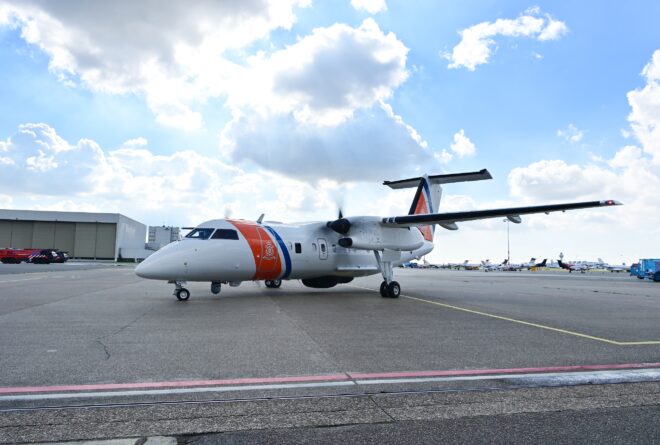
[(487, 266), (534, 265)]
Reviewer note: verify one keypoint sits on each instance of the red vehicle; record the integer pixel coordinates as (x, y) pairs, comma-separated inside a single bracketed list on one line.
[(15, 256), (35, 256)]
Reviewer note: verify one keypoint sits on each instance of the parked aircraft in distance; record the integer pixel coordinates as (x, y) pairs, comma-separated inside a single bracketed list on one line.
[(617, 267), (580, 267), (487, 266), (323, 254)]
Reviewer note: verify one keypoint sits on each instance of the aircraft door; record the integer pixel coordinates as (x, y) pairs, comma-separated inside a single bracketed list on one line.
[(323, 249)]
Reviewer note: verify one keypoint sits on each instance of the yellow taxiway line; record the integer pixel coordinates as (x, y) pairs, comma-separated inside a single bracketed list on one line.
[(527, 323)]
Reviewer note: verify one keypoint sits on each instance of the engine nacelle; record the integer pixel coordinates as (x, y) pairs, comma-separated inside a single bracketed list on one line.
[(372, 235)]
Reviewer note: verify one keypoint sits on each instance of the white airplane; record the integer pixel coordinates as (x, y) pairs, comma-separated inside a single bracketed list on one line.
[(322, 254)]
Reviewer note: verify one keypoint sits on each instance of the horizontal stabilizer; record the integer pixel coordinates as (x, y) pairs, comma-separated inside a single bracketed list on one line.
[(441, 179)]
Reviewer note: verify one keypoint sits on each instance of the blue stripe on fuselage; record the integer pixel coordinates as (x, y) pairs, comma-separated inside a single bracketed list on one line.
[(285, 252)]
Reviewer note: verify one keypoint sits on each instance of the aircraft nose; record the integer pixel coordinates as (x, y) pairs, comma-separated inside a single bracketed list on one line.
[(145, 269), (162, 266)]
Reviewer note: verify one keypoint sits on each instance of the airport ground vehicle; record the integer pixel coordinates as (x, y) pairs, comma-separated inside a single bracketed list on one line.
[(634, 269), (15, 256), (35, 256), (647, 268)]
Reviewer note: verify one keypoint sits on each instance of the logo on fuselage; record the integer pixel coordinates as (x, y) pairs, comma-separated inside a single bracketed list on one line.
[(269, 253)]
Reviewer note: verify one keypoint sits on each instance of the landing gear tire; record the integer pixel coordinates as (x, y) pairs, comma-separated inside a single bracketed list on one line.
[(215, 288), (182, 294), (383, 289), (273, 284), (393, 290)]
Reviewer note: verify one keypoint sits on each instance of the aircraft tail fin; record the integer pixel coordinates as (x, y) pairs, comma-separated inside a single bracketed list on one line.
[(426, 200), (429, 193)]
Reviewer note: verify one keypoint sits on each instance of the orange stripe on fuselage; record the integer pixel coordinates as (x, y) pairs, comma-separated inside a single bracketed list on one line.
[(267, 263)]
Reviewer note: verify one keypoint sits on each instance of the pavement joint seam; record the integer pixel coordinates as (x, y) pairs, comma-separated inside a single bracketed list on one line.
[(372, 399), (527, 323)]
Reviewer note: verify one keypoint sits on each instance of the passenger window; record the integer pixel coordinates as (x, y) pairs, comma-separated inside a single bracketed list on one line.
[(225, 234), (298, 248), (200, 234)]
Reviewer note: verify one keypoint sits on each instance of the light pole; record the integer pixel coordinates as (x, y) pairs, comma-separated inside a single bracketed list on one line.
[(508, 248)]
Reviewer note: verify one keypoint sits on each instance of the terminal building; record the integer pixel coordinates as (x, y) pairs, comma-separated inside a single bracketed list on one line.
[(97, 236), (160, 236)]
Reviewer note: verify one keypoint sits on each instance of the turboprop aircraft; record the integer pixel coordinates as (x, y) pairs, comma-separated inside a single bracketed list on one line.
[(323, 254)]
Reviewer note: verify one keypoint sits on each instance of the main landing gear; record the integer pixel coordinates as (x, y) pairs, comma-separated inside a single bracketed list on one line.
[(273, 284), (215, 287), (392, 290), (388, 288)]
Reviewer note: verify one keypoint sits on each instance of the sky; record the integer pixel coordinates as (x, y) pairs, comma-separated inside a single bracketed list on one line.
[(173, 113)]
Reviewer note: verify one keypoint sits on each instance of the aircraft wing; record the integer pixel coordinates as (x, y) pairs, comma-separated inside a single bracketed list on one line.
[(449, 220)]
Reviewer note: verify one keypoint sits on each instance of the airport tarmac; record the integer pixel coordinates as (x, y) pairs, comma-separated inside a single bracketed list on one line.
[(89, 353)]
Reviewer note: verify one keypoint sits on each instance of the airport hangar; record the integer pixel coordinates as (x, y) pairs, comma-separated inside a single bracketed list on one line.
[(98, 236)]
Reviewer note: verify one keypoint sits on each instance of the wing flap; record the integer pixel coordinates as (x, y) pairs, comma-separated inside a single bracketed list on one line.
[(513, 213)]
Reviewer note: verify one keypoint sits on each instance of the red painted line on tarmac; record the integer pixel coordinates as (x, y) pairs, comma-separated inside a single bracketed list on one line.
[(468, 372), (318, 378), (173, 384)]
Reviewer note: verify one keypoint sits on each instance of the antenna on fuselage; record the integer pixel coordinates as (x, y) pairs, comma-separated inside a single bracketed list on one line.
[(261, 218)]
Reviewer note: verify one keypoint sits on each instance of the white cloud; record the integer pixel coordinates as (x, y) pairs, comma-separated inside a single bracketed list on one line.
[(293, 118), (181, 188), (327, 91), (632, 175), (443, 157), (372, 145), (462, 145), (552, 180), (571, 134), (477, 41), (371, 6), (175, 53), (324, 77), (645, 115)]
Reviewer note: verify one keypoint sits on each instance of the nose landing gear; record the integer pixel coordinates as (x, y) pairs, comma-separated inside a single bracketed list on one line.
[(215, 287), (180, 292)]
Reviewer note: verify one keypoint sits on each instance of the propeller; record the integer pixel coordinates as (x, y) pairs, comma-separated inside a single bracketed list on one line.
[(340, 225)]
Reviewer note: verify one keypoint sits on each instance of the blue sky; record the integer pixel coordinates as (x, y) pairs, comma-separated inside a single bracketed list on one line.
[(172, 115)]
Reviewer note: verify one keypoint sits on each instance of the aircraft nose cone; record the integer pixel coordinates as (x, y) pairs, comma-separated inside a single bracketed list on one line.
[(144, 269), (163, 265)]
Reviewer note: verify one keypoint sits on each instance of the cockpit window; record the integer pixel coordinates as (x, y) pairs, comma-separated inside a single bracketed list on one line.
[(225, 234), (200, 234)]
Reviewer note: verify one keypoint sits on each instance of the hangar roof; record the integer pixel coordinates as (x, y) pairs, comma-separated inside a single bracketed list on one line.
[(46, 215)]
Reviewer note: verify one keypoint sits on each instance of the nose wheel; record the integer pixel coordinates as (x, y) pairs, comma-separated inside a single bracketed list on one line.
[(180, 292)]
